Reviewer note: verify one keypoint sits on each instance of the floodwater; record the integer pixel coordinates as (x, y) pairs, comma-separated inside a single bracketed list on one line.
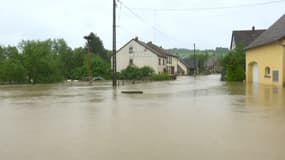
[(190, 118)]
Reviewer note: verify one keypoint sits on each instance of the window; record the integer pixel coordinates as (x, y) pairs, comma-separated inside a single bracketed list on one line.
[(159, 61), (131, 62), (275, 76), (163, 61), (131, 50), (267, 72)]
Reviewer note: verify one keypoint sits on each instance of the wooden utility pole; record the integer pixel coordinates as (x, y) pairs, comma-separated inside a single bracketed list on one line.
[(114, 46), (195, 68), (89, 64), (88, 38)]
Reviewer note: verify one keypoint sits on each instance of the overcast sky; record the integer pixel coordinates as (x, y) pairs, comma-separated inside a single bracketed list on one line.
[(72, 19)]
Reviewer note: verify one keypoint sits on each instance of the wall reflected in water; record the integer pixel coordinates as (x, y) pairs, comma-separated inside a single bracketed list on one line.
[(265, 96)]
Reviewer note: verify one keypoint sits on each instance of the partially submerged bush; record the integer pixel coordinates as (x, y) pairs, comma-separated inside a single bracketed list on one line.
[(234, 65), (133, 72), (147, 71), (161, 77)]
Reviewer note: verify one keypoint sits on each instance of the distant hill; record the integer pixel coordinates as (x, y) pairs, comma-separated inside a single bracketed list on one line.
[(183, 52)]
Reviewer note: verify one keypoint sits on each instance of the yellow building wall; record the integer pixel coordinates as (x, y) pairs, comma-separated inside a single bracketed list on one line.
[(272, 56), (283, 45)]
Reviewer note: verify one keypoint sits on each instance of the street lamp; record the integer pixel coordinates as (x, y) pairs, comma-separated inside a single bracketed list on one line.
[(88, 38)]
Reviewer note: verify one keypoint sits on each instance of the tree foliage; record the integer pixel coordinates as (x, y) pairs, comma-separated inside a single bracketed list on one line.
[(51, 61), (234, 65), (133, 72), (96, 46), (161, 77), (41, 62), (201, 60)]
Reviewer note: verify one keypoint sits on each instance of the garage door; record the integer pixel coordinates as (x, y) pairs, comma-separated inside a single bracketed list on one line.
[(255, 73)]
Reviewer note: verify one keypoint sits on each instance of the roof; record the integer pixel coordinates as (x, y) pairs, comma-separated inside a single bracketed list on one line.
[(144, 45), (245, 37), (151, 48), (164, 52), (190, 62), (275, 33), (160, 49), (211, 61)]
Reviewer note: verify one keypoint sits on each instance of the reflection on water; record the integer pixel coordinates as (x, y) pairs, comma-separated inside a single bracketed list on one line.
[(267, 96), (191, 118)]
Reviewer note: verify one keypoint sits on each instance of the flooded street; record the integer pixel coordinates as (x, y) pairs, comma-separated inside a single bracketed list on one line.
[(190, 118)]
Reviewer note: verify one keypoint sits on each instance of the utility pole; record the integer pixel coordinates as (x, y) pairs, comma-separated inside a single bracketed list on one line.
[(88, 38), (114, 46), (195, 69)]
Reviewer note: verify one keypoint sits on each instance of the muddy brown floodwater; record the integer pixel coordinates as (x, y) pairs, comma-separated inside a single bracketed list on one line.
[(191, 118)]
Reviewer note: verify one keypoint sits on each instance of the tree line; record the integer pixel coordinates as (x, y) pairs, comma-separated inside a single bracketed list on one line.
[(52, 60), (231, 63), (182, 52)]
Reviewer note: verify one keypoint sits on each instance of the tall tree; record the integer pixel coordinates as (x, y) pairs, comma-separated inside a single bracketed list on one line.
[(96, 46), (234, 65), (61, 49), (41, 64), (11, 68), (2, 56)]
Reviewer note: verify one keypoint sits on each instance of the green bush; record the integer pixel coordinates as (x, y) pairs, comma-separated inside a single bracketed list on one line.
[(133, 72), (12, 72), (147, 71), (234, 65), (99, 67), (161, 77)]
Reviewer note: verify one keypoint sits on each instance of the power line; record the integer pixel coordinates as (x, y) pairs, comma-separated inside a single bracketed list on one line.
[(212, 8), (124, 29), (152, 26)]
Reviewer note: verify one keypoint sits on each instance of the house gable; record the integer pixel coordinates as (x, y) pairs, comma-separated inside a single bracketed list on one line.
[(244, 37), (135, 52), (275, 33), (143, 54)]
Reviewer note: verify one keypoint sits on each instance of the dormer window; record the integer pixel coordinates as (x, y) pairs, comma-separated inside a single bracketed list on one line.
[(131, 50)]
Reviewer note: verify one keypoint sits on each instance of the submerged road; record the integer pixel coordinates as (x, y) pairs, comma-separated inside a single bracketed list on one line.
[(191, 118)]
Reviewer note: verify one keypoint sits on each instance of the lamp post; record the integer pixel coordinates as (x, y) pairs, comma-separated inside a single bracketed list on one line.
[(88, 38)]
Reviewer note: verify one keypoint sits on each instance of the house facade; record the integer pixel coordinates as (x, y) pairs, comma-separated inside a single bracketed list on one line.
[(142, 54), (265, 56)]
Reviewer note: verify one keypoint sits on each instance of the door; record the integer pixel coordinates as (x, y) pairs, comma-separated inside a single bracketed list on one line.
[(172, 70), (255, 73)]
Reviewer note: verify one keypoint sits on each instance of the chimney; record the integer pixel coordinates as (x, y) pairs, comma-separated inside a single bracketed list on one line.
[(137, 38), (253, 28)]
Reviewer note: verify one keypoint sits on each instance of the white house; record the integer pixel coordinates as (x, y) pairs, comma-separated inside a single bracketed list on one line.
[(141, 54)]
